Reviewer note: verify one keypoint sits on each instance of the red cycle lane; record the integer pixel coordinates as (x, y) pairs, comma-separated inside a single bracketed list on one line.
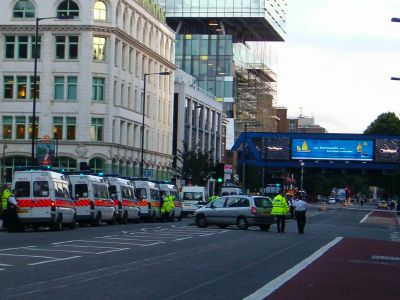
[(352, 269)]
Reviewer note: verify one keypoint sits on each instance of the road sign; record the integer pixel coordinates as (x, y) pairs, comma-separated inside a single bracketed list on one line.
[(148, 173)]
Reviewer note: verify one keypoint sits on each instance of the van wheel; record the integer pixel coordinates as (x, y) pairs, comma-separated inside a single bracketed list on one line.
[(57, 226), (72, 224), (124, 219), (265, 227), (242, 223), (97, 221), (201, 221), (153, 217)]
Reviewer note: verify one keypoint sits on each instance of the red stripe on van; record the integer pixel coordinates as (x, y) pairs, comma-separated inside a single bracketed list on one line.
[(102, 202), (82, 202)]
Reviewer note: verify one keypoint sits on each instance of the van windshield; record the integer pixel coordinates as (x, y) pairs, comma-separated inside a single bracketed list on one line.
[(141, 193), (112, 190), (100, 191), (196, 196)]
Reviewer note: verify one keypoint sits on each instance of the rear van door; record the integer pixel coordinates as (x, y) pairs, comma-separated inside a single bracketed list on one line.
[(22, 185)]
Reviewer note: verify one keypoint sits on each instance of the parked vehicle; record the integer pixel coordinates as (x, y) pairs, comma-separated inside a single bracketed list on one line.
[(193, 197), (240, 210), (148, 195), (382, 204), (172, 190), (126, 205), (331, 200), (43, 199), (231, 191), (92, 200)]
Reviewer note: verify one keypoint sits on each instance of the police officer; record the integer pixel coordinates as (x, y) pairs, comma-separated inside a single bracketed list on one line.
[(12, 216), (300, 213), (280, 209), (4, 202)]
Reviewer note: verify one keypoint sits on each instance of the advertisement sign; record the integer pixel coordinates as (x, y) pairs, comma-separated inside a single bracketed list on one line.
[(387, 150), (46, 151), (361, 150)]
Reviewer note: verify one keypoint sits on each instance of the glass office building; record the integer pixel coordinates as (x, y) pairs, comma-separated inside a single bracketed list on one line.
[(208, 58)]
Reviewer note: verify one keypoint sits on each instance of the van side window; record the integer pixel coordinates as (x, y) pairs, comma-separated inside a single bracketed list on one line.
[(112, 190), (58, 190), (23, 188), (218, 203), (263, 202), (40, 189), (155, 194), (237, 202), (100, 191), (65, 190), (81, 190)]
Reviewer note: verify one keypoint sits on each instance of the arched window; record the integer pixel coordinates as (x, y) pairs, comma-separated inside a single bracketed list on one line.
[(24, 9), (96, 164), (132, 24), (144, 37), (125, 20), (100, 11), (138, 29), (68, 8), (66, 163)]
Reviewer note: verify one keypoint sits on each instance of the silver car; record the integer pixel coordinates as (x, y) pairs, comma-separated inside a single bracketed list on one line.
[(240, 210)]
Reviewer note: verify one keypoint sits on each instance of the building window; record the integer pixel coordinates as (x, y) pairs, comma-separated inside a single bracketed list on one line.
[(20, 128), (68, 8), (96, 130), (98, 89), (19, 85), (21, 47), (23, 9), (58, 128), (71, 128), (96, 164), (36, 127), (67, 164), (100, 11), (65, 88), (7, 127), (99, 48), (67, 47)]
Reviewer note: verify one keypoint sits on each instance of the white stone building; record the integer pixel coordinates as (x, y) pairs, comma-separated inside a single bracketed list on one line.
[(90, 83)]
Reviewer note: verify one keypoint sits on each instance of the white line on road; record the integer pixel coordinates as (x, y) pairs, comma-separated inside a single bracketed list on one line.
[(115, 250), (184, 238), (365, 217), (2, 269), (53, 260), (22, 255), (59, 243), (57, 250), (125, 239), (15, 248), (5, 265), (81, 246), (269, 288)]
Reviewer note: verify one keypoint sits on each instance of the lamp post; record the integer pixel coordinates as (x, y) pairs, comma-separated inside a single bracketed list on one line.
[(244, 158), (3, 167), (143, 114), (61, 17), (301, 180)]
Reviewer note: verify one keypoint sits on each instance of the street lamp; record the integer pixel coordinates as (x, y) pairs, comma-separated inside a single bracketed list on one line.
[(61, 17), (143, 114), (3, 167), (301, 180)]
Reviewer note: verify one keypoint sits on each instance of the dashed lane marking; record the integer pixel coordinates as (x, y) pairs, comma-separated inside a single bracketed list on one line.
[(53, 260)]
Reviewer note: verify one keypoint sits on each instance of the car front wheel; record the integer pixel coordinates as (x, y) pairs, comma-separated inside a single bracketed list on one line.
[(201, 221)]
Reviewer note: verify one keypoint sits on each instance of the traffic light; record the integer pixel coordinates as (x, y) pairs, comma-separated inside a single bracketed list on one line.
[(219, 172)]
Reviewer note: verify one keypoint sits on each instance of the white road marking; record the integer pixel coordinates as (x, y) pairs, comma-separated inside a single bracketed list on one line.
[(365, 217), (5, 265), (15, 248), (81, 246), (72, 241), (184, 238), (269, 288), (115, 250), (53, 260), (125, 239), (57, 250), (23, 255), (2, 269)]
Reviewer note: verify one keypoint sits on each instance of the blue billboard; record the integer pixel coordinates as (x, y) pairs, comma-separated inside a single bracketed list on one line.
[(319, 149)]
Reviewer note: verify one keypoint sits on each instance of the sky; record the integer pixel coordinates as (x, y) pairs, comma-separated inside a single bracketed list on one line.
[(337, 61)]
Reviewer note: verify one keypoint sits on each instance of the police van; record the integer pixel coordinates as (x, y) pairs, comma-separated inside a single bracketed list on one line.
[(92, 200), (172, 190), (193, 197), (43, 199), (148, 195), (123, 193)]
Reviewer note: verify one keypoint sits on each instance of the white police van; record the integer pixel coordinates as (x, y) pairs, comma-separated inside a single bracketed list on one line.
[(92, 200), (148, 195), (43, 199), (122, 192), (172, 190)]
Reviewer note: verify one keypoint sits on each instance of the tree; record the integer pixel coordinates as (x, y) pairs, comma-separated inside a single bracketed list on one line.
[(386, 123), (194, 165)]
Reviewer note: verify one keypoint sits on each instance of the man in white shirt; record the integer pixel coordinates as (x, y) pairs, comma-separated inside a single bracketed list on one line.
[(300, 207)]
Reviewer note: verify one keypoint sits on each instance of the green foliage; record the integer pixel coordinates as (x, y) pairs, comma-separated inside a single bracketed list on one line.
[(386, 123), (195, 166)]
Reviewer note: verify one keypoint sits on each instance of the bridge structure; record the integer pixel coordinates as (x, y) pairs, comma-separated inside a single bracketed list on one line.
[(346, 152)]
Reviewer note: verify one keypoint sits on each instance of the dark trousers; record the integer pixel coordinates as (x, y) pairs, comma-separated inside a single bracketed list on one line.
[(301, 220), (4, 216), (12, 218), (280, 222)]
